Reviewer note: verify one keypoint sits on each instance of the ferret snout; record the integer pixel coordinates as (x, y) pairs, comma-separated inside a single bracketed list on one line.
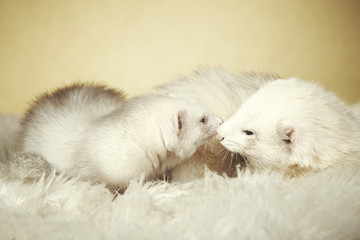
[(217, 122), (213, 125), (218, 137)]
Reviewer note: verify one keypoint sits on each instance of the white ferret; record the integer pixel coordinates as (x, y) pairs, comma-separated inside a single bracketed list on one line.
[(293, 126), (92, 132), (222, 93)]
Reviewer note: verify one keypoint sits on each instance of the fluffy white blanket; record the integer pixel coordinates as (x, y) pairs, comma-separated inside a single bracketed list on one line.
[(324, 205)]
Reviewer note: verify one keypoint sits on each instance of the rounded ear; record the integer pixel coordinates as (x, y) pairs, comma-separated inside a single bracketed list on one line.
[(180, 121), (287, 132)]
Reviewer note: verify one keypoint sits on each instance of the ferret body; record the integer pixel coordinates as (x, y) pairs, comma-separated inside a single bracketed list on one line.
[(293, 126), (217, 89), (221, 92), (57, 121), (115, 143)]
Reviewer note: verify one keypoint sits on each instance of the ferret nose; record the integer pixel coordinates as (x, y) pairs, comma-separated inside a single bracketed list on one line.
[(218, 137)]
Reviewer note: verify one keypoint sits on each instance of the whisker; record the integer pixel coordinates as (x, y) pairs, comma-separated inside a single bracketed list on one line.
[(223, 150), (231, 160), (204, 150), (222, 162), (247, 164)]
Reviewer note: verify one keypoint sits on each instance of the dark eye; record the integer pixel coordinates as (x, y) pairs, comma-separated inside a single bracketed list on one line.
[(247, 132), (203, 120)]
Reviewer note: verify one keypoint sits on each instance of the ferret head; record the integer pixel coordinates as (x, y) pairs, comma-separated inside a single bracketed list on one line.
[(263, 143), (193, 125), (287, 124)]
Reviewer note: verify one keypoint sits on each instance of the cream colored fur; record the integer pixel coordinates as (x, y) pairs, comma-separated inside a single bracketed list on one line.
[(222, 93), (37, 203), (258, 205), (356, 110), (293, 126), (93, 133)]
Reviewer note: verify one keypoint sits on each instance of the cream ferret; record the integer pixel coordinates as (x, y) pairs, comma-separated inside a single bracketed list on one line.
[(90, 131), (292, 126)]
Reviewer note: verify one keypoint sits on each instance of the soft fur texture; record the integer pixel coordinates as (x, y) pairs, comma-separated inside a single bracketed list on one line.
[(293, 126), (356, 110), (91, 131), (222, 93), (256, 205)]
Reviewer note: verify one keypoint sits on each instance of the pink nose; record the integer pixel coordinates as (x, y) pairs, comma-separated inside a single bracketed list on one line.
[(218, 137)]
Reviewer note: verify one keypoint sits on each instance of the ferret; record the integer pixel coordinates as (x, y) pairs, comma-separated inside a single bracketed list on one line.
[(292, 126), (93, 133), (221, 92)]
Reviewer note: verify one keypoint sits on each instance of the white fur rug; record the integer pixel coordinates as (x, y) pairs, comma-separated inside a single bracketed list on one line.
[(324, 205)]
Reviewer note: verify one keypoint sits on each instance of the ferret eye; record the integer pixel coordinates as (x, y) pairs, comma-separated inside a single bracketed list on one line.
[(203, 120), (247, 132)]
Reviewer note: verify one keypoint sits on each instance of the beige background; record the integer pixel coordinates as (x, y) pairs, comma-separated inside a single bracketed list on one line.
[(135, 45)]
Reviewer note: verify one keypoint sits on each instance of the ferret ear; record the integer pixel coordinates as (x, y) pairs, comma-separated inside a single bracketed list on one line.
[(180, 121), (287, 132)]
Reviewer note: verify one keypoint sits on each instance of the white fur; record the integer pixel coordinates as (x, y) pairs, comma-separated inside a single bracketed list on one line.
[(55, 123), (145, 135), (222, 93), (295, 124), (216, 89), (251, 206), (356, 110)]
